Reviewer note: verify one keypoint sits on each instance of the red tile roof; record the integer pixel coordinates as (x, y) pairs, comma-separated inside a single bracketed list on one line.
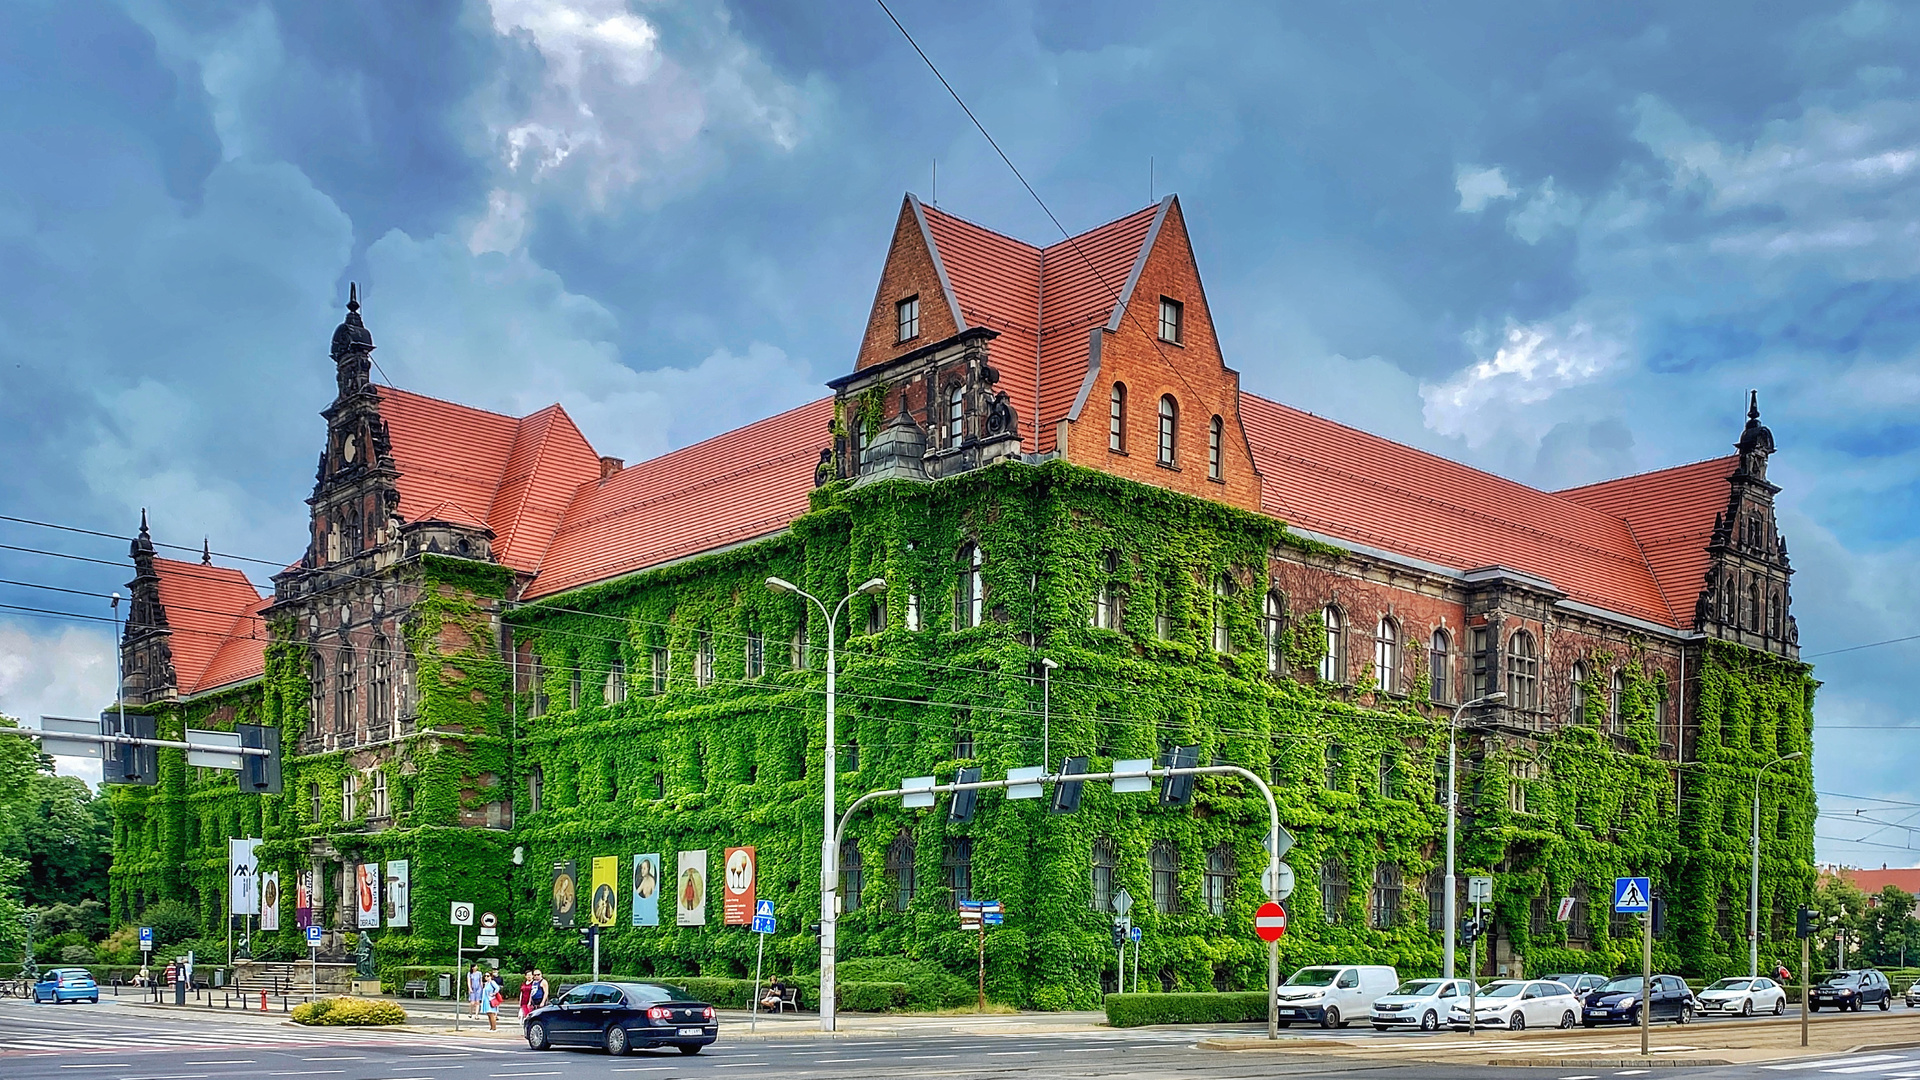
[(1042, 301), (1906, 879), (747, 483), (1340, 482), (1671, 513), (218, 636)]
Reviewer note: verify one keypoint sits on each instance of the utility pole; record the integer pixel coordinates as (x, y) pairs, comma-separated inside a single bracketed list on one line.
[(1753, 890), (1453, 815)]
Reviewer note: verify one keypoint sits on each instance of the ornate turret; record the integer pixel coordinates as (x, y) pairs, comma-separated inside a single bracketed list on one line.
[(352, 348), (355, 498), (1745, 598), (146, 655)]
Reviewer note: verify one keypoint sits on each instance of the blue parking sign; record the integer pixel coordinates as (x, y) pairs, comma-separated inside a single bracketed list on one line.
[(1632, 895), (313, 937), (146, 937)]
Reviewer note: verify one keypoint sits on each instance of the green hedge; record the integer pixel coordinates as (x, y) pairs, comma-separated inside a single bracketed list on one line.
[(1133, 1010), (872, 996), (349, 1012), (929, 986)]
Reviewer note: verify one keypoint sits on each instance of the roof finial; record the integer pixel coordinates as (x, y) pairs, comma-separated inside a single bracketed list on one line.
[(353, 296), (1753, 404), (206, 551), (143, 522)]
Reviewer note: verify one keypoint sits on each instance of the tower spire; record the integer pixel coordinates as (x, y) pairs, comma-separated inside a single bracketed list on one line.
[(206, 551), (352, 347)]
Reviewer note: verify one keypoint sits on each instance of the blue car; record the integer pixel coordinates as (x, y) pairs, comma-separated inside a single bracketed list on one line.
[(66, 984)]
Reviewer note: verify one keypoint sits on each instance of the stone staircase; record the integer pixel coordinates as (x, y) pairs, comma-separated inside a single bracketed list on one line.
[(291, 978)]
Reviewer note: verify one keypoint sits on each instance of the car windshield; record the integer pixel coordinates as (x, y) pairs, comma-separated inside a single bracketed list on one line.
[(1313, 977), (1732, 984), (645, 993), (1502, 990), (1630, 985), (1844, 978), (1420, 988)]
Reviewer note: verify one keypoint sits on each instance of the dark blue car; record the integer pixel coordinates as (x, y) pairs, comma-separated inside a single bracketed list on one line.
[(622, 1016)]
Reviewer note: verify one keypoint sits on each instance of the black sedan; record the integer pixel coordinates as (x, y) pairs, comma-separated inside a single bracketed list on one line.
[(1618, 1002), (622, 1016), (1845, 990)]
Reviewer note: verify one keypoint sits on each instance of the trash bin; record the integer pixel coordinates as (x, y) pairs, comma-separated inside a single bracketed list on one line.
[(446, 985), (219, 976)]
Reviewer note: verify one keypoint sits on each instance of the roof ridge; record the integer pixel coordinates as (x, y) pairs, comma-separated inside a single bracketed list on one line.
[(533, 471), (660, 494), (1027, 243), (463, 405), (1643, 473), (1672, 615), (974, 224)]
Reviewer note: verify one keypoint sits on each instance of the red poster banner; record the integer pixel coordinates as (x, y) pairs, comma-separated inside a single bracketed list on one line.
[(736, 902)]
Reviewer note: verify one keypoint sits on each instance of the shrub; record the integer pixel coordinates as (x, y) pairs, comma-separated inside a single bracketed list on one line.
[(719, 993), (77, 954), (173, 922), (929, 986), (1133, 1010), (872, 996), (349, 1012)]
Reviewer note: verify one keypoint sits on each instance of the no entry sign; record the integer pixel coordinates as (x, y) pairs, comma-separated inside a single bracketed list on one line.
[(1270, 922)]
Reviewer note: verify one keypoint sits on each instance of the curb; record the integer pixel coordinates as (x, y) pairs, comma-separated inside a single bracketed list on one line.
[(1635, 1062)]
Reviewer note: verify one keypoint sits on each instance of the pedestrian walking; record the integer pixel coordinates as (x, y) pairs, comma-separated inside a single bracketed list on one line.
[(490, 1002), (474, 981), (539, 995), (526, 991)]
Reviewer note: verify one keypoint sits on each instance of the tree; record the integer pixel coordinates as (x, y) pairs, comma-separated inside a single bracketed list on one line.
[(64, 835), (1889, 933), (1843, 908)]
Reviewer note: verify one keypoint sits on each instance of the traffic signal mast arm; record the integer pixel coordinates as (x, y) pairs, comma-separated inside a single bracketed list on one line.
[(130, 740)]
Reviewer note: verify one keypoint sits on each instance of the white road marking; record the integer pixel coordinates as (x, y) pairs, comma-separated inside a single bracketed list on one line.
[(233, 1061), (928, 1057), (1830, 1062), (334, 1057), (1588, 1076), (1883, 1066), (101, 1065), (171, 1076), (554, 1072), (1010, 1053), (645, 1068), (1631, 1072)]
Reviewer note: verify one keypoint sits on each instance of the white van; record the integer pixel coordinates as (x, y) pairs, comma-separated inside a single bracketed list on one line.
[(1332, 995)]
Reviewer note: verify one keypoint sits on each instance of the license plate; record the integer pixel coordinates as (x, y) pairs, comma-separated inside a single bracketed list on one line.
[(690, 1031)]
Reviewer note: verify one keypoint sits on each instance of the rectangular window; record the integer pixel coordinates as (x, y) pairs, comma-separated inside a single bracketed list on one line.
[(756, 654), (313, 795), (617, 682), (662, 660), (1214, 433), (377, 795), (349, 796), (537, 689), (703, 660), (1117, 419), (1103, 875), (959, 868), (1170, 320), (908, 313), (1389, 770), (963, 744), (797, 649), (1334, 753), (913, 613), (1483, 672)]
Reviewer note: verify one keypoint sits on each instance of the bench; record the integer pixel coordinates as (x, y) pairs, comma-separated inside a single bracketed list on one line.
[(415, 988), (789, 999)]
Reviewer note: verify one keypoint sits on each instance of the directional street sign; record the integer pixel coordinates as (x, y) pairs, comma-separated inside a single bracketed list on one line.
[(462, 913), (763, 920), (1122, 902), (1132, 784), (1631, 895), (994, 918), (1479, 890), (1134, 933), (313, 937), (1270, 921)]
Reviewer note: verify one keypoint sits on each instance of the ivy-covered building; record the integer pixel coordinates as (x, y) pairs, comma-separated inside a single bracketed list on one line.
[(501, 651)]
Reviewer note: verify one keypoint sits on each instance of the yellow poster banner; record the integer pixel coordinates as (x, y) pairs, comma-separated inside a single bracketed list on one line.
[(606, 889)]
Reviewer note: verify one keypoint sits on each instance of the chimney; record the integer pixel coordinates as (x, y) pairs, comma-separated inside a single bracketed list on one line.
[(609, 466)]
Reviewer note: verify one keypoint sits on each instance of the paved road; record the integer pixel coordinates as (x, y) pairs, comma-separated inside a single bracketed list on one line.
[(109, 1042)]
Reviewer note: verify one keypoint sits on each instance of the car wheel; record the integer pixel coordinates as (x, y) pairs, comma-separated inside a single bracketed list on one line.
[(1586, 1023), (1885, 1004), (1685, 1016), (1284, 1023), (1746, 1007), (537, 1036), (1780, 1006), (689, 1048), (616, 1040), (1517, 1022), (1330, 1018), (1566, 1019), (1813, 1007), (95, 1000), (1430, 1021)]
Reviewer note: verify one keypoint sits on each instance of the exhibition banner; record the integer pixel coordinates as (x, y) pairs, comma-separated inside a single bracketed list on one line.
[(646, 890), (690, 889), (736, 898), (243, 872), (270, 900), (303, 898), (564, 883), (397, 887), (606, 889), (366, 896)]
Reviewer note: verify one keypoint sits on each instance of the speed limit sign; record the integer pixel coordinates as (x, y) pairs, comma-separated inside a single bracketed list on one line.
[(462, 914)]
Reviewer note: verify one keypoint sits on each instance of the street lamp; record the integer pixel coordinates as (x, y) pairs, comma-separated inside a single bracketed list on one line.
[(1753, 891), (1453, 813), (1046, 706), (829, 860)]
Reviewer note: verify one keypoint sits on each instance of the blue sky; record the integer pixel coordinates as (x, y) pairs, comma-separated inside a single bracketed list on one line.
[(1556, 241)]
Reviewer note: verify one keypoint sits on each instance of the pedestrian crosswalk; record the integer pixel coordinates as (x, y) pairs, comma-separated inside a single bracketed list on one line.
[(68, 1039), (1878, 1066)]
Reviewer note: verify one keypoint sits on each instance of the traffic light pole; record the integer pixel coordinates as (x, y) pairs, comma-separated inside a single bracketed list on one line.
[(130, 740), (1272, 877), (1806, 983)]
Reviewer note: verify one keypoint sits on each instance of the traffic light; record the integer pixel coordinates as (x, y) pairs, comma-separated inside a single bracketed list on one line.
[(124, 764), (1066, 793), (1657, 911), (961, 809), (1469, 930), (1119, 936), (260, 775), (1803, 921), (588, 935), (1178, 790)]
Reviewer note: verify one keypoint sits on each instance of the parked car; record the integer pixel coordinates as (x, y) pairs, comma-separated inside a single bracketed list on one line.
[(1581, 985), (1741, 996), (66, 984), (1618, 1002), (622, 1016), (1517, 1004), (1332, 994), (1421, 1003), (1913, 995), (1845, 990)]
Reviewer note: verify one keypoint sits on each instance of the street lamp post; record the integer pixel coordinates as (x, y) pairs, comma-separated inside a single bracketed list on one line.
[(829, 861), (1753, 891), (1453, 813), (1046, 708)]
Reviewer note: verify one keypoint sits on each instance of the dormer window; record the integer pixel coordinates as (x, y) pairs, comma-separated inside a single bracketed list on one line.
[(907, 313), (1172, 320)]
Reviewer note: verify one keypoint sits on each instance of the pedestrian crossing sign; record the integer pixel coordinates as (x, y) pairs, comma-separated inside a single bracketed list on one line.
[(1631, 895)]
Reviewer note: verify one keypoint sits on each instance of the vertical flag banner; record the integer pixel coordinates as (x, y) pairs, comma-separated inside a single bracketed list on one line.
[(303, 898), (646, 890), (366, 896), (270, 900), (563, 893), (690, 889), (243, 872), (736, 899), (397, 888), (606, 890)]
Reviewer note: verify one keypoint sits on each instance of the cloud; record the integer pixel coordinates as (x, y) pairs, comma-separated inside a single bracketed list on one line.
[(1530, 364), (1479, 186), (1546, 211), (59, 671)]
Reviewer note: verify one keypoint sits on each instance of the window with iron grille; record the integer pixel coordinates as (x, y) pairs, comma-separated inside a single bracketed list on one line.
[(957, 862), (907, 317), (1333, 891), (1103, 864), (900, 868), (1437, 900), (1385, 909), (852, 875), (1218, 876), (1164, 862)]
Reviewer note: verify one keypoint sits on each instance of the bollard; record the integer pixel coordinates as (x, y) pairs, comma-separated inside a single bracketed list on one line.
[(263, 1001)]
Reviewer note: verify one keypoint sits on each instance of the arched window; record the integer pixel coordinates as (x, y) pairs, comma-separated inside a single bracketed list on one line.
[(1616, 702), (957, 863), (1272, 627), (1753, 605), (1103, 864), (1117, 419), (1164, 862), (379, 700), (1333, 891), (1222, 597), (1729, 593), (1219, 874), (900, 869), (317, 693), (1333, 666), (1386, 655), (1440, 667), (967, 598), (1169, 427), (1213, 449), (956, 414), (1106, 608), (1385, 909), (853, 878), (343, 714), (1523, 671), (1577, 693), (1773, 615)]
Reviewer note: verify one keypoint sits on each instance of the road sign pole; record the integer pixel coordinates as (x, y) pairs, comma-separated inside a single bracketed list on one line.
[(596, 953), (983, 964), (1646, 986), (1806, 984), (1473, 976), (460, 980), (753, 1023)]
